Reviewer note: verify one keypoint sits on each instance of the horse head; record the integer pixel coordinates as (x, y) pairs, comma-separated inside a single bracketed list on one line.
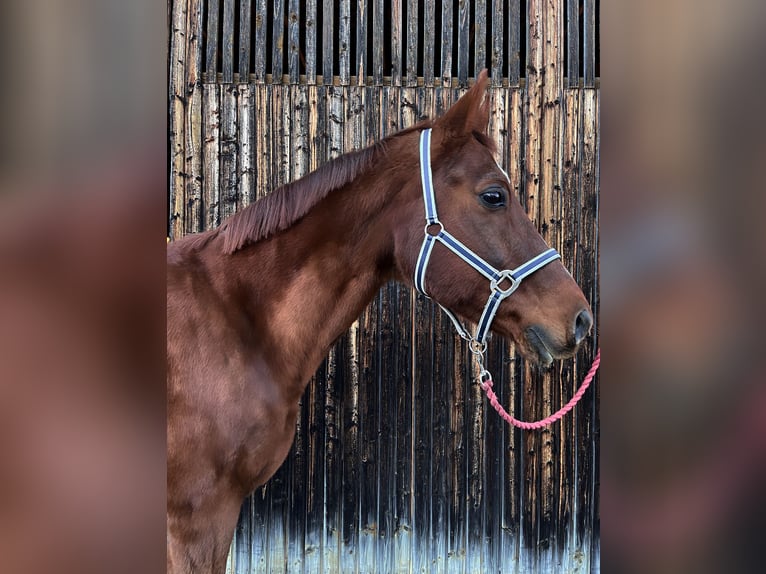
[(546, 313)]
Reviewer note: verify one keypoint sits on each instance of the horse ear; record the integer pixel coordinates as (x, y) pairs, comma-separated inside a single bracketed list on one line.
[(471, 112)]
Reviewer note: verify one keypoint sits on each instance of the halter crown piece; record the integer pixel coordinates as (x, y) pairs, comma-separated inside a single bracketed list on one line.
[(477, 343)]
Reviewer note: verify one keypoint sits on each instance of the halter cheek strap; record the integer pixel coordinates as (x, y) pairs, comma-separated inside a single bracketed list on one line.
[(511, 278)]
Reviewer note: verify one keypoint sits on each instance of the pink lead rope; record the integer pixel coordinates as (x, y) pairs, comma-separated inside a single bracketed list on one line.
[(487, 387)]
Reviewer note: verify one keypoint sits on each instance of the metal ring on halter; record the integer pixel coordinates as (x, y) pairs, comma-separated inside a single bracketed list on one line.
[(507, 274), (477, 348), (437, 222)]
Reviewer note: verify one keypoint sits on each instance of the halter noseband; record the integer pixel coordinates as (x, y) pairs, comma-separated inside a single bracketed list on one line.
[(497, 292)]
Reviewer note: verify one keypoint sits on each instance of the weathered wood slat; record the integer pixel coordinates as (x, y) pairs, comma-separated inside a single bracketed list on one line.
[(278, 42), (412, 43), (194, 43), (396, 42), (293, 39), (496, 57), (311, 42), (429, 41), (228, 151), (515, 29), (177, 109), (227, 42), (263, 147), (446, 44), (463, 41), (193, 220), (480, 36), (246, 138), (378, 18), (261, 42), (211, 131), (573, 43), (571, 185), (589, 43), (344, 43), (362, 16), (245, 26), (587, 419), (211, 63), (327, 42), (532, 382)]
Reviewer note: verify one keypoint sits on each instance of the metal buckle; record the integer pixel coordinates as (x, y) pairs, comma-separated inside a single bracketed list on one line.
[(507, 274)]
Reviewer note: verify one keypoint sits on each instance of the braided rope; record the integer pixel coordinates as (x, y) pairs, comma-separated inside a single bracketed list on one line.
[(487, 387)]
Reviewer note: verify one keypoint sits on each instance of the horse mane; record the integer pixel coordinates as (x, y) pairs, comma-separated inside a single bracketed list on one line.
[(290, 202)]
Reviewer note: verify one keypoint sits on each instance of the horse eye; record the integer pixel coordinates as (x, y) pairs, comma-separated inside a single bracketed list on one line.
[(493, 198)]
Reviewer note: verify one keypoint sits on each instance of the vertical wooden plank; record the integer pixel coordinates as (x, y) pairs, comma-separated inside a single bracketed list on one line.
[(378, 20), (260, 41), (362, 15), (263, 143), (246, 137), (408, 529), (514, 41), (429, 41), (284, 117), (550, 219), (311, 42), (463, 40), (352, 418), (389, 103), (447, 27), (328, 34), (245, 25), (293, 39), (424, 384), (587, 420), (213, 13), (589, 43), (195, 31), (177, 108), (494, 436), (227, 44), (443, 413), (344, 42), (396, 42), (278, 42), (193, 218), (211, 154), (532, 381), (229, 180), (570, 255), (412, 42), (480, 36), (573, 43), (193, 123), (496, 59)]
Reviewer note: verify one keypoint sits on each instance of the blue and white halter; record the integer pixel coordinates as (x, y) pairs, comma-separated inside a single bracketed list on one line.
[(477, 343)]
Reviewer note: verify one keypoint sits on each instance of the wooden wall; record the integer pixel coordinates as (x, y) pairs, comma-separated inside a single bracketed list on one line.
[(398, 463)]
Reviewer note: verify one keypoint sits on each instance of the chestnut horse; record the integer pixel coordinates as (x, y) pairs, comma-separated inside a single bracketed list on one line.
[(255, 305)]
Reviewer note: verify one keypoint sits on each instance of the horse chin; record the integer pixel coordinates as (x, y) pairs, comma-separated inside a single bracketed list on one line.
[(539, 347)]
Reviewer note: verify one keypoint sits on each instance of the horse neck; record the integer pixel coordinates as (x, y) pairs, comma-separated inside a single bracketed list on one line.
[(311, 281)]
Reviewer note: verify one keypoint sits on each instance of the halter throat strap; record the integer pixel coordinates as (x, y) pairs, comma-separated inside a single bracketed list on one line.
[(502, 284)]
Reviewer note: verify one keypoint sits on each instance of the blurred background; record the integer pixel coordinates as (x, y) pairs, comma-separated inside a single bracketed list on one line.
[(683, 404), (83, 193)]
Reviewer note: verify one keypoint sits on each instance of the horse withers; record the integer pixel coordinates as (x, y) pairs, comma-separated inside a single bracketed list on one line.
[(254, 306)]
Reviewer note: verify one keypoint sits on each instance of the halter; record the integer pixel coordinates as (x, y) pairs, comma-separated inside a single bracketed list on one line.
[(477, 342)]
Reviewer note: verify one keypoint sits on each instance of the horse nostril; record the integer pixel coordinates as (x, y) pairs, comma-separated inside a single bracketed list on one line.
[(582, 325)]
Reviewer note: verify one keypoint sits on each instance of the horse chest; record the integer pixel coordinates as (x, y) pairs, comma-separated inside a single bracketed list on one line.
[(266, 429)]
